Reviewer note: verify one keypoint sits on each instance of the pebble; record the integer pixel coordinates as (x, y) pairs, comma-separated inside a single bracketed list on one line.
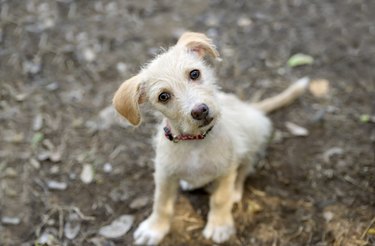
[(319, 87), (72, 226), (328, 216), (107, 168), (43, 155), (118, 227), (87, 174), (35, 163), (89, 54), (55, 156), (10, 220), (139, 202), (244, 22), (10, 173), (56, 185), (37, 122), (52, 86), (47, 239), (296, 130), (54, 169), (121, 68)]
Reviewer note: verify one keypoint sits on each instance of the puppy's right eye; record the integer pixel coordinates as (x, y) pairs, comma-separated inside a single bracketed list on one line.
[(164, 97)]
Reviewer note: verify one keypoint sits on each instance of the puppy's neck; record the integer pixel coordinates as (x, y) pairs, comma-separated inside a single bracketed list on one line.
[(172, 133)]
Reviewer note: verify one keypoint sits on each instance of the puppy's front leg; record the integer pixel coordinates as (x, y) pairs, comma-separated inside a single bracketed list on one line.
[(220, 225), (157, 225)]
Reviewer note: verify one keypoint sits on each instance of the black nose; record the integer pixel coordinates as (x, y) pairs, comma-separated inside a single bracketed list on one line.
[(200, 112)]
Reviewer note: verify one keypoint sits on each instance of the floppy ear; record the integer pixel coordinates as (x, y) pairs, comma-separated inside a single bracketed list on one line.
[(127, 99), (199, 44)]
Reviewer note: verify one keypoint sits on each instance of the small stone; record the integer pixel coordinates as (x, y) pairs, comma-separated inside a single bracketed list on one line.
[(77, 122), (54, 169), (296, 130), (72, 226), (10, 173), (118, 227), (244, 22), (21, 97), (56, 185), (32, 67), (47, 239), (55, 156), (328, 173), (52, 86), (253, 207), (319, 87), (10, 220), (107, 168), (89, 54), (139, 202), (328, 216), (37, 122), (35, 163), (11, 192), (15, 138), (121, 68), (44, 155), (87, 174)]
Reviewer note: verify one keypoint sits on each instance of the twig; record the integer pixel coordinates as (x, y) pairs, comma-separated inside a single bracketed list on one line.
[(368, 228), (61, 223), (353, 182), (81, 215), (296, 234), (44, 221)]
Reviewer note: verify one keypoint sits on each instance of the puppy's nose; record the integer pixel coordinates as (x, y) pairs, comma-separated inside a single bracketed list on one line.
[(200, 112)]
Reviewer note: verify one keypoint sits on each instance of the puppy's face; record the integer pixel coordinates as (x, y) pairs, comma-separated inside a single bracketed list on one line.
[(178, 83)]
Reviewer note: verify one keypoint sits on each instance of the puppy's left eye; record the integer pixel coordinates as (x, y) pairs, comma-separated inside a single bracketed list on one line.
[(194, 74)]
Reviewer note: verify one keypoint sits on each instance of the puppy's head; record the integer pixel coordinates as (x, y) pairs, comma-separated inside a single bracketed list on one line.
[(178, 83)]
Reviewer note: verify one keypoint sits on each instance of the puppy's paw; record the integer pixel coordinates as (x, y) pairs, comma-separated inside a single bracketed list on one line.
[(237, 195), (151, 231), (219, 232)]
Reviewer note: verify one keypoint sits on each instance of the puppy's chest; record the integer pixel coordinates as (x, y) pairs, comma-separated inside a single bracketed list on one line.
[(200, 166)]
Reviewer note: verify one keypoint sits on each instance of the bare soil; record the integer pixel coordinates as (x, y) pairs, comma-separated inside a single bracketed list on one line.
[(61, 61)]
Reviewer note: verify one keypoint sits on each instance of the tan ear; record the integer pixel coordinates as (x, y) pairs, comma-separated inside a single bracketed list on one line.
[(127, 99), (198, 43)]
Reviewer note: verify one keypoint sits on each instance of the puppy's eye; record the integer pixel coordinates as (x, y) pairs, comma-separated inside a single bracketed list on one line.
[(164, 97), (194, 74)]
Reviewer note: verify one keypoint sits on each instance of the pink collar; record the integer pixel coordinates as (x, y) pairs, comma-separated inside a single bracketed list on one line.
[(176, 138)]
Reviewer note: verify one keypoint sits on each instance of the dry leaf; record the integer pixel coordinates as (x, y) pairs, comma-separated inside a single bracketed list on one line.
[(253, 207)]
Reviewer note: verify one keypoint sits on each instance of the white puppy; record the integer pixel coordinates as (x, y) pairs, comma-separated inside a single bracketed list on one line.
[(206, 137)]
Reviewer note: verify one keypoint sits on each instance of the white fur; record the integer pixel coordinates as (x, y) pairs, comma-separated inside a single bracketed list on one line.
[(223, 159)]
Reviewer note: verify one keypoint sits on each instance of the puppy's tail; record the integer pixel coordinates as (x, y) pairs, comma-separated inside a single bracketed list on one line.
[(284, 98)]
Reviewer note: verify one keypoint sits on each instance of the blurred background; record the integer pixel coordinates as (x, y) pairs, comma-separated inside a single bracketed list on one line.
[(69, 170)]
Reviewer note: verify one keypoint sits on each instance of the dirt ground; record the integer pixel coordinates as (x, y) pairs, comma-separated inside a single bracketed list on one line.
[(61, 61)]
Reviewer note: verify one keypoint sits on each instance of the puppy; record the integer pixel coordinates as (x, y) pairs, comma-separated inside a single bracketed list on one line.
[(207, 137)]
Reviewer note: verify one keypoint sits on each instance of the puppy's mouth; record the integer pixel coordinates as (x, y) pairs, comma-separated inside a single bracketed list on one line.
[(206, 122)]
